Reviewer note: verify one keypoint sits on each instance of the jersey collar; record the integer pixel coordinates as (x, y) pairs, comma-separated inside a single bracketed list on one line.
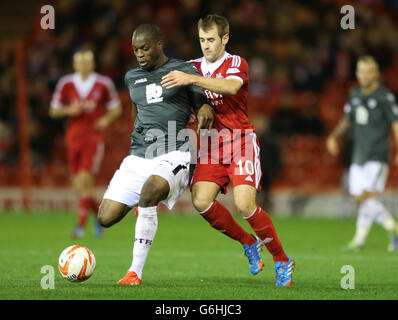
[(84, 87), (208, 69)]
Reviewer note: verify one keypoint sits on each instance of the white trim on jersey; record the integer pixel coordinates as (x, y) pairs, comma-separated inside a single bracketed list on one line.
[(236, 61), (235, 77), (211, 67), (84, 87), (114, 98), (55, 101), (257, 164)]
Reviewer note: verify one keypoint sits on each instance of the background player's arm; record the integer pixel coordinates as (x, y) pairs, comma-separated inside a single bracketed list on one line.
[(110, 116), (217, 85), (72, 110), (341, 128)]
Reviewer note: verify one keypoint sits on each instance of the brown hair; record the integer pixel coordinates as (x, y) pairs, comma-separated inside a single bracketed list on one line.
[(214, 19)]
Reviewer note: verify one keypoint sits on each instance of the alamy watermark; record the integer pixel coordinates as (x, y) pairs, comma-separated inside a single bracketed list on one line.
[(348, 20), (348, 280), (48, 280)]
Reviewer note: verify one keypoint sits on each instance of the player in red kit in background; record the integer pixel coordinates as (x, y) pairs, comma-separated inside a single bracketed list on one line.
[(91, 103), (225, 81)]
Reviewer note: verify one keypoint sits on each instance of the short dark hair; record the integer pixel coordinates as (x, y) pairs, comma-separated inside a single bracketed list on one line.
[(214, 19), (149, 29)]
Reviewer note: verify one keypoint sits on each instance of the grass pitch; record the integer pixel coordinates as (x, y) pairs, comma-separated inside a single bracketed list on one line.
[(191, 261)]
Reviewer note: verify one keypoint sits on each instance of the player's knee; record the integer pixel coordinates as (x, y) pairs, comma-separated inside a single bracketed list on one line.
[(200, 203), (244, 207), (106, 215)]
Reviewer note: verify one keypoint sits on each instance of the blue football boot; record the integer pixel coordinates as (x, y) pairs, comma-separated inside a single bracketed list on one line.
[(284, 272), (253, 254)]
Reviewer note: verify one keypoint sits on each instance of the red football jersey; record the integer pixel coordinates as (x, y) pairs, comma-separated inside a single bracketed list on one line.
[(97, 94), (230, 111)]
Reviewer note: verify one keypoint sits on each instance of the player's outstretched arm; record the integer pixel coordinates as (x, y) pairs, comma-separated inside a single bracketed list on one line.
[(72, 110), (331, 141), (110, 116), (218, 85)]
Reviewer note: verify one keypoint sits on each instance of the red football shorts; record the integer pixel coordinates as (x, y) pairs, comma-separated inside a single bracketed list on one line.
[(238, 163), (85, 155)]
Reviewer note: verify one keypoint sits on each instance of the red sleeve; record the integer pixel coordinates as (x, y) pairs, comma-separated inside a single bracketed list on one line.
[(59, 98), (238, 69)]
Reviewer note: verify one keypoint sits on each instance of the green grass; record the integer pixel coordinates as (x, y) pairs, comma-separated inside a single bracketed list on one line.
[(189, 260)]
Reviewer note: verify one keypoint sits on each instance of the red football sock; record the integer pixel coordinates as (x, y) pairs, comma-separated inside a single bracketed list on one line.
[(262, 225), (220, 219), (84, 206)]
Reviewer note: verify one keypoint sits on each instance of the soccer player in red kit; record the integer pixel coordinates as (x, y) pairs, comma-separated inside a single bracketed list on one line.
[(91, 103), (234, 156)]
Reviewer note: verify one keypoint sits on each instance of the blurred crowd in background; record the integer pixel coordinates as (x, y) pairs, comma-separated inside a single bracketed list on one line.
[(301, 61)]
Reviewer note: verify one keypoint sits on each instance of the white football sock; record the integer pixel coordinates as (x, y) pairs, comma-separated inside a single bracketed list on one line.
[(145, 230), (366, 216), (383, 217)]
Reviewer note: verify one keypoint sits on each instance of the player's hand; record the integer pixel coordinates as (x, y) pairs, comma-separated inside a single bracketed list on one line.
[(75, 109), (101, 124), (192, 119), (332, 146), (205, 118), (175, 79)]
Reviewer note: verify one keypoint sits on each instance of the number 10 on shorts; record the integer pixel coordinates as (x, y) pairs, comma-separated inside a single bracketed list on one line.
[(246, 167)]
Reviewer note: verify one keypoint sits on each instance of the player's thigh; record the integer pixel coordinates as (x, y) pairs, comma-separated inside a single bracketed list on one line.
[(126, 183), (83, 182), (245, 199), (356, 181), (203, 194), (91, 156), (111, 211), (245, 167), (154, 190), (375, 176)]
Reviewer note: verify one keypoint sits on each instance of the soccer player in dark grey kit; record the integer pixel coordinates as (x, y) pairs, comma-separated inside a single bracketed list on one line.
[(157, 169), (371, 110)]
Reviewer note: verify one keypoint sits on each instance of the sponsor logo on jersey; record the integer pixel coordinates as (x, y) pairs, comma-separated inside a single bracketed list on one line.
[(233, 70), (154, 93), (140, 81)]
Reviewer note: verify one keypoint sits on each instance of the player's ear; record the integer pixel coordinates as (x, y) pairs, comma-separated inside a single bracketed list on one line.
[(160, 44), (225, 39)]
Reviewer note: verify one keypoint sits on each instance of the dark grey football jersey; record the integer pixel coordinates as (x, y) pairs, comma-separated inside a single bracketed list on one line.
[(372, 116), (162, 113)]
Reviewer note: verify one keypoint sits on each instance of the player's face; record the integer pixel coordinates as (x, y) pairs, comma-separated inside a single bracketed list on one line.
[(367, 74), (146, 50), (213, 46), (83, 63)]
